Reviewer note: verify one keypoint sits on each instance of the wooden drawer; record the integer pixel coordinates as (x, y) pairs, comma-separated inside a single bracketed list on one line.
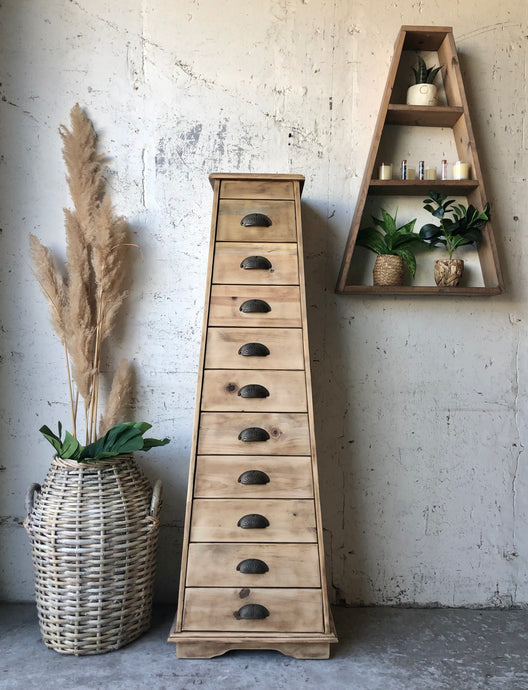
[(246, 263), (281, 214), (285, 347), (228, 303), (217, 476), (217, 519), (256, 189), (253, 391), (218, 608), (233, 565), (219, 432)]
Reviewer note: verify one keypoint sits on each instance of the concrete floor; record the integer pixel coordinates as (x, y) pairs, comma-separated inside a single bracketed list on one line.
[(379, 649)]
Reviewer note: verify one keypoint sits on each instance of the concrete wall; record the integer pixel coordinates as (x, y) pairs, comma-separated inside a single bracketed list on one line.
[(421, 404)]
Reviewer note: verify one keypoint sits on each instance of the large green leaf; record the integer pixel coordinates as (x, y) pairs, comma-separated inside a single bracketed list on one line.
[(372, 239), (121, 438), (408, 257)]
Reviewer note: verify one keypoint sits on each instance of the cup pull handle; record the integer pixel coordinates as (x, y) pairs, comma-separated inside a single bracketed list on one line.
[(256, 262), (252, 306), (254, 350), (256, 220), (253, 434), (253, 390), (251, 612), (253, 521), (252, 566), (253, 477)]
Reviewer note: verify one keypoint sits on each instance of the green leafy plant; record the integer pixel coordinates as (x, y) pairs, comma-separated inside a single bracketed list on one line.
[(424, 74), (126, 437), (458, 225), (391, 239)]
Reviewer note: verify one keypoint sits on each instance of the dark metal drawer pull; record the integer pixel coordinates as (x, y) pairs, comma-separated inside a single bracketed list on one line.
[(251, 612), (253, 433), (253, 390), (256, 262), (255, 305), (254, 350), (256, 219), (253, 477), (252, 566), (253, 521)]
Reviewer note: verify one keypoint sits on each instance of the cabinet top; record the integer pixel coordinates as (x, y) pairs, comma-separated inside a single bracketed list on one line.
[(269, 177)]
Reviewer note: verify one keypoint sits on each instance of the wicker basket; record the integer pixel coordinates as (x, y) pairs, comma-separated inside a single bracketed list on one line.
[(448, 272), (388, 270), (94, 531)]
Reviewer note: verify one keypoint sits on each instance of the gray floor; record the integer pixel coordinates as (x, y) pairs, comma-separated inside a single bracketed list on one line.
[(379, 648)]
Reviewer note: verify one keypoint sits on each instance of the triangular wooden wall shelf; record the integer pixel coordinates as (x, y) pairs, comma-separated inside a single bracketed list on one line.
[(455, 115)]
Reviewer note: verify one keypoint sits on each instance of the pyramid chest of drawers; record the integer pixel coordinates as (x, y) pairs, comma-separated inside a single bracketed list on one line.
[(252, 573)]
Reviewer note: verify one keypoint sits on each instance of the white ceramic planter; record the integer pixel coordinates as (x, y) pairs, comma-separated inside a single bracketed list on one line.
[(422, 94)]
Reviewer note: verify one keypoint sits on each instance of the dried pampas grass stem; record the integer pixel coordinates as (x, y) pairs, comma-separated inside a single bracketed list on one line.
[(85, 306)]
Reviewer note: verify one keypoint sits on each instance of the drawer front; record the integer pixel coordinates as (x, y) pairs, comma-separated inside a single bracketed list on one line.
[(261, 306), (248, 433), (245, 263), (254, 348), (256, 189), (221, 609), (248, 520), (253, 391), (279, 219), (247, 476), (253, 565)]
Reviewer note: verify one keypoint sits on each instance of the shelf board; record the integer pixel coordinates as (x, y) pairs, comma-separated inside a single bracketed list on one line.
[(423, 116), (413, 290), (421, 187)]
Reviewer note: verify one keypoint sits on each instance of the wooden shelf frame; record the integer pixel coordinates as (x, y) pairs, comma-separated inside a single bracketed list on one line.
[(454, 115)]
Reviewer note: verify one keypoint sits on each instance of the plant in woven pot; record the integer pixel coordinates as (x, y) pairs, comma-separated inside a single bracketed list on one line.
[(93, 524), (459, 226), (393, 245), (423, 91)]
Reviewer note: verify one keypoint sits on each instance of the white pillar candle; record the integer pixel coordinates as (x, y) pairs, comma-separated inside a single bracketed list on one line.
[(385, 171), (461, 171), (411, 174), (430, 173)]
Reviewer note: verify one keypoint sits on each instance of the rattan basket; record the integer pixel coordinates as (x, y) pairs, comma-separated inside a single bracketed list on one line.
[(388, 270), (94, 531)]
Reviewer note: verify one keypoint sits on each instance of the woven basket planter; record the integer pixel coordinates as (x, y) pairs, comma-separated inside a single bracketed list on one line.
[(388, 270), (447, 272), (94, 531)]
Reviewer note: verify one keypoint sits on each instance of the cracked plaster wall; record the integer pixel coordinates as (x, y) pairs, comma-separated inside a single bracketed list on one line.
[(421, 404)]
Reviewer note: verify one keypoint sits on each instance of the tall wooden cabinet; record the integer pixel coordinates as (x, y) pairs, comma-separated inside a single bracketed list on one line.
[(252, 574)]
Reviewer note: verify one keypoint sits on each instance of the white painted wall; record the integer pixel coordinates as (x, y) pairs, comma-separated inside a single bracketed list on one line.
[(421, 404)]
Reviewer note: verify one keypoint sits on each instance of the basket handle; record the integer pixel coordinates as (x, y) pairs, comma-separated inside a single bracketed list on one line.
[(155, 503), (30, 497)]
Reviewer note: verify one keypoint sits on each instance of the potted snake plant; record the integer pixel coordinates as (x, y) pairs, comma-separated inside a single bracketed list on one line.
[(423, 91)]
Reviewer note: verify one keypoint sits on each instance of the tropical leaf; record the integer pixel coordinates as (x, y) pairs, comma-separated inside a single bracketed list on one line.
[(121, 438), (372, 239), (408, 257)]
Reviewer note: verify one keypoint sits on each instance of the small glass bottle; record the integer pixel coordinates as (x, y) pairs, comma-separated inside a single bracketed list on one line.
[(421, 170), (444, 169), (404, 169)]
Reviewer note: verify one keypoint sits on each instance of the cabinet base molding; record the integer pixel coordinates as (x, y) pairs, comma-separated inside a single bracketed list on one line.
[(189, 646)]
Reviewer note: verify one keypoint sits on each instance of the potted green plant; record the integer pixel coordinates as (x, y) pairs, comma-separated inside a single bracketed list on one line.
[(93, 524), (459, 226), (393, 245), (423, 91)]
